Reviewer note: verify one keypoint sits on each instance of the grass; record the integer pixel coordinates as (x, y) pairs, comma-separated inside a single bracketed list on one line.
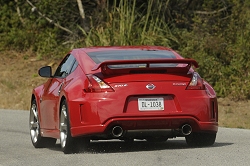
[(234, 114), (18, 77), (8, 83)]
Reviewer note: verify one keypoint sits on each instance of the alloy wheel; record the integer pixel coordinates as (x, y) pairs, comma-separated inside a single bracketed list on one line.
[(63, 126), (34, 124)]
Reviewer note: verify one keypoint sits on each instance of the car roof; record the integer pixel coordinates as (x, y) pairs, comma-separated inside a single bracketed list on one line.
[(106, 48)]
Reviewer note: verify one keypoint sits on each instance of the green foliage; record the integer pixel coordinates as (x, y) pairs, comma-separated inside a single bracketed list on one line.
[(214, 32), (123, 24), (222, 50)]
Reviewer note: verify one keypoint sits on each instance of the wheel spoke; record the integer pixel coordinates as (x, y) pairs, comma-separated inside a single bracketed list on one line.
[(34, 131), (63, 127), (34, 111), (64, 114), (33, 135), (34, 125), (63, 139)]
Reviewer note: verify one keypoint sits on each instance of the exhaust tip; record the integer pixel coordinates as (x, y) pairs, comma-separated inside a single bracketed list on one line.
[(117, 131), (186, 129)]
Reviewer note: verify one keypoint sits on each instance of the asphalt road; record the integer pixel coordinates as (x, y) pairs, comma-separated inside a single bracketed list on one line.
[(232, 147)]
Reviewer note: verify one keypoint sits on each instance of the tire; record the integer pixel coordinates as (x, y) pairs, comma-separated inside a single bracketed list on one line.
[(35, 133), (68, 143), (156, 139), (200, 139)]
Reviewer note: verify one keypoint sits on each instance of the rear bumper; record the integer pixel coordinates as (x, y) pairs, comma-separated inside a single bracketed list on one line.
[(141, 123)]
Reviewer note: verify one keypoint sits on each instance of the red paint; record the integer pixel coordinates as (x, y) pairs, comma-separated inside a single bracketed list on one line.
[(92, 113)]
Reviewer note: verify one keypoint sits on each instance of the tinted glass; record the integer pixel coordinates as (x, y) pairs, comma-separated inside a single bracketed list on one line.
[(101, 56), (74, 66), (66, 65)]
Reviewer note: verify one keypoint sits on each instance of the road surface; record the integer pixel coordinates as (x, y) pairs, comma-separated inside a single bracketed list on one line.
[(232, 148)]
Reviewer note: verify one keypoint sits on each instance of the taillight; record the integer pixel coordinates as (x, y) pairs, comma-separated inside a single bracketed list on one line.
[(97, 85), (196, 82)]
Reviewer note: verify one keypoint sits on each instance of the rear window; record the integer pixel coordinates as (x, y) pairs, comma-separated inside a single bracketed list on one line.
[(101, 56)]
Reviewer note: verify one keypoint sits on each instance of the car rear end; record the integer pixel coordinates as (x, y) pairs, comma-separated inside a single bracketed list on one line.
[(151, 93)]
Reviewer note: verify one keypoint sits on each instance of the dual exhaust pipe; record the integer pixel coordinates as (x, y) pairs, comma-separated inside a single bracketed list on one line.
[(117, 131), (186, 129)]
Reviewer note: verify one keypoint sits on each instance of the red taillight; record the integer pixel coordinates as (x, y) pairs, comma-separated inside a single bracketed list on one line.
[(196, 83), (97, 85)]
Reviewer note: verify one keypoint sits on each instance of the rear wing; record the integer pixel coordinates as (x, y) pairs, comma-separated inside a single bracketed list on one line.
[(183, 66)]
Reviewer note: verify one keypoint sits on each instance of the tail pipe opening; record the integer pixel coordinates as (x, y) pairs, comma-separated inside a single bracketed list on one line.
[(186, 129), (117, 131)]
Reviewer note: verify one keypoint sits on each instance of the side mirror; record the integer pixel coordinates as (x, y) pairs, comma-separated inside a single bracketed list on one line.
[(45, 71)]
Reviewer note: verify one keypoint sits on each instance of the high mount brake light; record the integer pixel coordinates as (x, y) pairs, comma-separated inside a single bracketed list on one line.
[(97, 85), (196, 83)]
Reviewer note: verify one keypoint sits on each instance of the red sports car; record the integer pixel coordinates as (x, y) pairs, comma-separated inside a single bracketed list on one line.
[(127, 92)]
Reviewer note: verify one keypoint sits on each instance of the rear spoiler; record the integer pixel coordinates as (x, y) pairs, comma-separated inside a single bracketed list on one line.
[(104, 65)]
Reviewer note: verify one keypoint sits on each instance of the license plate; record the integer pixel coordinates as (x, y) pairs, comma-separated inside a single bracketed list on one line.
[(151, 104)]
